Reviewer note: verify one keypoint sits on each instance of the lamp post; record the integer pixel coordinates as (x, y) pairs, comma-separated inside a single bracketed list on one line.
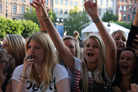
[(6, 8)]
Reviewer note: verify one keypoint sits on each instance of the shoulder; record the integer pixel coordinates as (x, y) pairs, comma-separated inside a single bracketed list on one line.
[(17, 72), (60, 73)]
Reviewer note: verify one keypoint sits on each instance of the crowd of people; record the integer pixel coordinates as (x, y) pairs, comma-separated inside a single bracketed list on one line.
[(46, 62)]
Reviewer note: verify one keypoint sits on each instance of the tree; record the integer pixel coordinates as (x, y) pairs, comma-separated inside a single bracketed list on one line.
[(109, 16), (20, 27), (31, 15), (77, 20)]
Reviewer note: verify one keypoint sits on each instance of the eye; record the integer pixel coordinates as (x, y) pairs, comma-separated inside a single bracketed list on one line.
[(128, 59), (36, 47), (122, 58), (116, 38), (87, 45), (29, 47), (124, 39), (71, 47), (95, 46)]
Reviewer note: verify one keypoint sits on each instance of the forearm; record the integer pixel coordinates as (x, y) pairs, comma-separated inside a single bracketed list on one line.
[(107, 39), (135, 22), (22, 85)]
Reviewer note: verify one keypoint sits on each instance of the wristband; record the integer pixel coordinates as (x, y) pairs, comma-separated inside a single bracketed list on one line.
[(24, 77), (45, 17), (96, 20)]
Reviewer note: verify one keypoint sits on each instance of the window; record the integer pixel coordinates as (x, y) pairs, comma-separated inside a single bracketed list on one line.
[(66, 2), (46, 2), (14, 9), (124, 17), (66, 11), (56, 10), (112, 3), (130, 1), (101, 2), (56, 1), (124, 8), (76, 3), (130, 8), (14, 0), (31, 1), (61, 11), (71, 3), (120, 8), (61, 1), (23, 0), (0, 7), (128, 18), (121, 0), (106, 2), (126, 1), (23, 10)]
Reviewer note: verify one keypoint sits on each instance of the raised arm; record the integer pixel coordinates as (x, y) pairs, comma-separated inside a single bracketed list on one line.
[(55, 36), (133, 34), (110, 45)]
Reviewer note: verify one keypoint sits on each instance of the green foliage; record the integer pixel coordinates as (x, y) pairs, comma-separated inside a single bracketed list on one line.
[(124, 24), (109, 16), (24, 28), (77, 20), (31, 15), (29, 28)]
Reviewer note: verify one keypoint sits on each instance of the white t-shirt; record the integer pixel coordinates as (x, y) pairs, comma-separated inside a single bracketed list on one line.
[(59, 73)]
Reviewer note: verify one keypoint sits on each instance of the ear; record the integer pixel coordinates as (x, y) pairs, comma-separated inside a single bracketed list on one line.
[(2, 65)]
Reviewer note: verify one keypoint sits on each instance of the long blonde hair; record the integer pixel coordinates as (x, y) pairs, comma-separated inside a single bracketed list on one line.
[(17, 44), (50, 58), (100, 65)]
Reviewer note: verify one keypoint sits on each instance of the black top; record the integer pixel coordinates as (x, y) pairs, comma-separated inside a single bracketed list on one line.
[(131, 36), (5, 83)]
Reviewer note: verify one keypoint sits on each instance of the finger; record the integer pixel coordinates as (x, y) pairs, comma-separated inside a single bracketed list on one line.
[(136, 40), (33, 5), (135, 45), (42, 1), (137, 36)]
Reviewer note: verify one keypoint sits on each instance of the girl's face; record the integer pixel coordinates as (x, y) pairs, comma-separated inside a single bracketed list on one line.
[(71, 46), (91, 51), (120, 41), (36, 50), (127, 62), (7, 46)]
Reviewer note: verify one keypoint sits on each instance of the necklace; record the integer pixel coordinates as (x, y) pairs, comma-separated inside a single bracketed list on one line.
[(39, 76)]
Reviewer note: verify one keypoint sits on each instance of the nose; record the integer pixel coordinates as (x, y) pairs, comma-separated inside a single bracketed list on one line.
[(91, 48), (32, 50)]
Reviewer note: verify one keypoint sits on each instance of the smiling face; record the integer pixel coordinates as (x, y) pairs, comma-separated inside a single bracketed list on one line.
[(127, 62), (120, 41), (36, 50), (71, 46), (91, 51)]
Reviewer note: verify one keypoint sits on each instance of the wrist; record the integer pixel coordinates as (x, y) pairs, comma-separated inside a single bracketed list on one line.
[(96, 20)]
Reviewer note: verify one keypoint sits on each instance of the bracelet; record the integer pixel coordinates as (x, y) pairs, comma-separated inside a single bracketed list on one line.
[(45, 17), (44, 31), (96, 20), (24, 77), (23, 81)]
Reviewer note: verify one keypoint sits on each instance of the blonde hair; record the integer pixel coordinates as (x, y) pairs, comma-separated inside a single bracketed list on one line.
[(100, 64), (17, 44), (122, 32), (76, 42), (50, 58)]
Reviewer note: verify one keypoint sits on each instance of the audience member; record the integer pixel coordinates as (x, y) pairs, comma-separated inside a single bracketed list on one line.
[(41, 72), (7, 65), (98, 66), (15, 45), (128, 70)]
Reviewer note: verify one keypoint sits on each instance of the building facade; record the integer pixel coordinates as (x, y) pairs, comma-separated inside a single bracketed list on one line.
[(127, 9), (15, 9)]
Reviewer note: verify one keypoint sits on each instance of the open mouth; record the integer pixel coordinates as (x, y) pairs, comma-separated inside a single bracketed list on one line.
[(90, 54)]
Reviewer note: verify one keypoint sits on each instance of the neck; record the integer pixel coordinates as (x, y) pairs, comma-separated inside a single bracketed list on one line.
[(38, 69), (91, 66)]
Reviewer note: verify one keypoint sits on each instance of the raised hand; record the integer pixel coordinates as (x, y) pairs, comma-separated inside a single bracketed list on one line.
[(135, 40), (91, 8), (39, 6)]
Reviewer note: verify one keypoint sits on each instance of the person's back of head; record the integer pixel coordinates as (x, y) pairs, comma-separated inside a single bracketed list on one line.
[(8, 61)]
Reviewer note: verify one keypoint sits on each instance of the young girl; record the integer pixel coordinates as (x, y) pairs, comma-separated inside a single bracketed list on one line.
[(97, 66), (40, 72)]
